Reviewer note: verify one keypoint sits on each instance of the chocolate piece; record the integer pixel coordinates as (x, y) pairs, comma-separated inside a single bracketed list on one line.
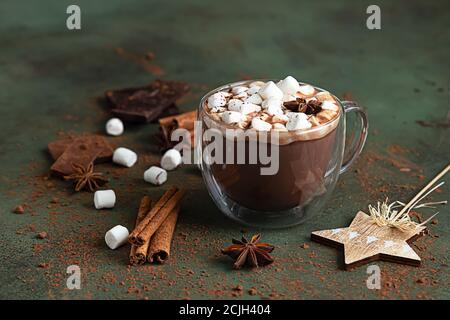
[(57, 148), (81, 152), (148, 103)]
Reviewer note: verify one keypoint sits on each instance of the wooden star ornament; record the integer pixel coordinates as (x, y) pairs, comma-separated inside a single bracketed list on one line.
[(385, 234), (364, 241)]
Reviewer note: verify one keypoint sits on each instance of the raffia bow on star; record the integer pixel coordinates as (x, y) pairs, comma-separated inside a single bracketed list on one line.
[(385, 215)]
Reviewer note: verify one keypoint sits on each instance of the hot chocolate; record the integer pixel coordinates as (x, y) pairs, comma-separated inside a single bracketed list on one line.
[(304, 120)]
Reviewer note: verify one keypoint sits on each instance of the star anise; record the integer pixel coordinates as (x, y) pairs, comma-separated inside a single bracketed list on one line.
[(300, 105), (86, 178), (251, 253)]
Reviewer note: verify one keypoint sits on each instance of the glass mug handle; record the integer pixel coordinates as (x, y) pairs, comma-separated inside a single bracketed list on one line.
[(356, 145)]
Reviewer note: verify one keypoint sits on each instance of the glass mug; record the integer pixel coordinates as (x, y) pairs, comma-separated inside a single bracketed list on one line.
[(309, 164)]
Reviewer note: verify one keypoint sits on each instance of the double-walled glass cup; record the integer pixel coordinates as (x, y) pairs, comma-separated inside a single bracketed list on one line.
[(294, 172)]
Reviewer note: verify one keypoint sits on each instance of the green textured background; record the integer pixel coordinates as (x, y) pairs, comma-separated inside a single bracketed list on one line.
[(51, 79)]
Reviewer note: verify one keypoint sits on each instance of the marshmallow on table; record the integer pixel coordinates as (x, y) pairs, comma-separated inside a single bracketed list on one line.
[(171, 159), (230, 117), (114, 127), (104, 199), (270, 90), (124, 157), (298, 121), (218, 99), (261, 125), (289, 85), (155, 175), (116, 237)]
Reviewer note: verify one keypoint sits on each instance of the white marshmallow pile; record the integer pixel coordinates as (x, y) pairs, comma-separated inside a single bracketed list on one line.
[(260, 106), (104, 199), (116, 237), (124, 157), (114, 127)]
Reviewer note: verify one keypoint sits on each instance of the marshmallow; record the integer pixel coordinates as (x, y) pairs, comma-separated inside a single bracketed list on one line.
[(124, 157), (306, 90), (230, 117), (235, 105), (261, 125), (247, 108), (325, 115), (253, 90), (298, 121), (328, 105), (256, 84), (289, 85), (241, 95), (288, 97), (324, 95), (274, 109), (114, 127), (218, 109), (254, 98), (104, 199), (218, 99), (279, 127), (238, 90), (116, 237), (273, 106), (271, 101), (171, 159), (280, 118), (270, 90), (155, 175)]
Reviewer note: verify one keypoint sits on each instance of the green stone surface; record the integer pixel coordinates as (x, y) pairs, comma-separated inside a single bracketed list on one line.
[(51, 80)]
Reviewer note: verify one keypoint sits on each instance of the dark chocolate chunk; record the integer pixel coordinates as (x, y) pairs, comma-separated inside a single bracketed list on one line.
[(57, 148), (82, 151), (148, 103)]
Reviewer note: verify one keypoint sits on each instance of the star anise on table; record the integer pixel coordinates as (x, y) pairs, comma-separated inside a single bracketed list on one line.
[(86, 178), (251, 253)]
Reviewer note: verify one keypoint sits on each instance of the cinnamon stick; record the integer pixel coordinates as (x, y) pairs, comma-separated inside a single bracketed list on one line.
[(132, 238), (160, 215), (138, 254), (168, 124), (159, 249)]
